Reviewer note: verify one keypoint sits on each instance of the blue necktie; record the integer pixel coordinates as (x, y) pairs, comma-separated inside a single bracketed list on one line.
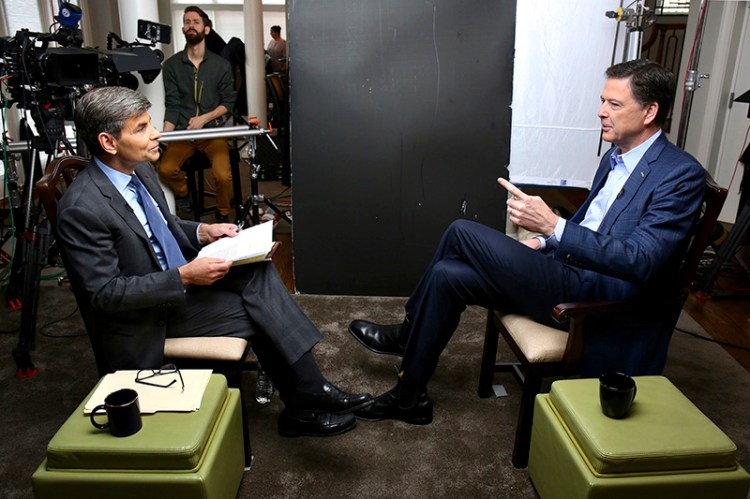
[(159, 228)]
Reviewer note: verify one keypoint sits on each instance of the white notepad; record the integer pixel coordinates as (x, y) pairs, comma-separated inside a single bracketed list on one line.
[(249, 245)]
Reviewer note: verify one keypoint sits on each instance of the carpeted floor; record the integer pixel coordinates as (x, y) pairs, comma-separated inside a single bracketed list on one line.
[(465, 452)]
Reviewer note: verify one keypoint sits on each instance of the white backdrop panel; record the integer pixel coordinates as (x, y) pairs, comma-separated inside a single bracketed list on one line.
[(558, 78)]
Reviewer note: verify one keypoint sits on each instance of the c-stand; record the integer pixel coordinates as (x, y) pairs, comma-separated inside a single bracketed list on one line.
[(731, 246), (251, 207)]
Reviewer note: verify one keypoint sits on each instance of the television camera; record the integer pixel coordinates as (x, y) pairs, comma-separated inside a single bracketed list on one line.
[(46, 79)]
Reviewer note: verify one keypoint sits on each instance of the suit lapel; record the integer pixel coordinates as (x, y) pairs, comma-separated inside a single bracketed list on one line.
[(633, 184), (119, 205)]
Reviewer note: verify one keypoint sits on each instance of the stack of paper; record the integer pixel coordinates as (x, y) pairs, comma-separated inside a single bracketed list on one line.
[(249, 245), (154, 398)]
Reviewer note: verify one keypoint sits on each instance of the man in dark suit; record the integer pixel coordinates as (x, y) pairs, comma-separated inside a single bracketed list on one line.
[(624, 242), (133, 267)]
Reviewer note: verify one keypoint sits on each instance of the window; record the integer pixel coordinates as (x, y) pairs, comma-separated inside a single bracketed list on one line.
[(672, 7), (228, 19), (24, 14)]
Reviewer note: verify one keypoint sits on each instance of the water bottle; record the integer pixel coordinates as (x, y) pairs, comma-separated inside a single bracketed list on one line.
[(263, 387)]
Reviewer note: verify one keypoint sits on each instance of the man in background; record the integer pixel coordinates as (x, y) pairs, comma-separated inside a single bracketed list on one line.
[(277, 50), (199, 92)]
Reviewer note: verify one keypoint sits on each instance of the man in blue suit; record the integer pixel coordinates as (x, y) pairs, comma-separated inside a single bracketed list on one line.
[(624, 242)]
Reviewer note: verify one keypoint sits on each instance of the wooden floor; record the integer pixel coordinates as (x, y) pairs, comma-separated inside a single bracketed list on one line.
[(726, 316)]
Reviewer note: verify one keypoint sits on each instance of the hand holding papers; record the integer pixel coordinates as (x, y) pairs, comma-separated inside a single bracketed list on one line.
[(249, 245)]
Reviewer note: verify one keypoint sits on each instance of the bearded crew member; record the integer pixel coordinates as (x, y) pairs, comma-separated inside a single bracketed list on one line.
[(199, 92)]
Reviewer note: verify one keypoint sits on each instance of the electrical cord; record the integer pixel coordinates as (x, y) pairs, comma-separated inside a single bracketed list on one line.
[(51, 323), (712, 340)]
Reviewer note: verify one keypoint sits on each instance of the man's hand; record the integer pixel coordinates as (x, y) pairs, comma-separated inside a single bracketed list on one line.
[(529, 212), (208, 233), (204, 271), (533, 243), (197, 122)]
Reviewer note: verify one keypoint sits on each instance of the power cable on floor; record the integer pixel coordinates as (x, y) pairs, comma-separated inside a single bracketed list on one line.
[(712, 340)]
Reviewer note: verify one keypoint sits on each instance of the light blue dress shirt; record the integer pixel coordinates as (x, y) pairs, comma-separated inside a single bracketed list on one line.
[(622, 166)]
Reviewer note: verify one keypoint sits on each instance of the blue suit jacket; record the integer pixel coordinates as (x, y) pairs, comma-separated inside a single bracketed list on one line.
[(635, 252)]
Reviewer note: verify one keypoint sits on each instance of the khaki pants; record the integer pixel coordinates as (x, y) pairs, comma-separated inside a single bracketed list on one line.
[(217, 152)]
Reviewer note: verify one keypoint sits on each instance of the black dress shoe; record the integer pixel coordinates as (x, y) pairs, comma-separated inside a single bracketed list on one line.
[(385, 339), (331, 399), (294, 423), (386, 407)]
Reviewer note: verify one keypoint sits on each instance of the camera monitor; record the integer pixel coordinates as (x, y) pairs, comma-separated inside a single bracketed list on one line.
[(71, 66), (159, 33)]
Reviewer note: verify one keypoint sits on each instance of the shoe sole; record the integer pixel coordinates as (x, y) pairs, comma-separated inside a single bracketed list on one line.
[(294, 434), (382, 352)]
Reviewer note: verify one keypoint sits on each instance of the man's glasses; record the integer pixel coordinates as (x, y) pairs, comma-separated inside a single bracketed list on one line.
[(151, 377)]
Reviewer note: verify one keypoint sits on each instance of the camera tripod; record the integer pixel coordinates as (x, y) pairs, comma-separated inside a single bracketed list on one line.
[(31, 255), (251, 207)]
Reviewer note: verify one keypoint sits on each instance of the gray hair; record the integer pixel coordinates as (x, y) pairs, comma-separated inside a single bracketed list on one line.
[(106, 109)]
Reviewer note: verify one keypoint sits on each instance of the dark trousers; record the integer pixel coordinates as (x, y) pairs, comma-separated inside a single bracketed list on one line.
[(477, 265), (250, 302)]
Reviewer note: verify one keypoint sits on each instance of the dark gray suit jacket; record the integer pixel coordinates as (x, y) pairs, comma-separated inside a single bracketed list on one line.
[(114, 269)]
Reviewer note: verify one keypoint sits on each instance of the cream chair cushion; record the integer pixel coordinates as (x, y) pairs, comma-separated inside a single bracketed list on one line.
[(538, 343), (209, 348)]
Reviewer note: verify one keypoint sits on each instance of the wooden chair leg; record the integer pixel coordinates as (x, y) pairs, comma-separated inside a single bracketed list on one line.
[(531, 387), (489, 356)]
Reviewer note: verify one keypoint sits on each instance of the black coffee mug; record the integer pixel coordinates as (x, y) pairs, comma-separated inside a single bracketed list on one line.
[(123, 413), (616, 394)]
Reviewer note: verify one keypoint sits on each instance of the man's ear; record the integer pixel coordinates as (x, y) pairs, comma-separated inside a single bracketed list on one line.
[(651, 111), (108, 143)]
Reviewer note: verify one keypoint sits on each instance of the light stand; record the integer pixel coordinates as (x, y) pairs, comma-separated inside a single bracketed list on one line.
[(734, 240), (251, 206), (692, 79), (636, 17)]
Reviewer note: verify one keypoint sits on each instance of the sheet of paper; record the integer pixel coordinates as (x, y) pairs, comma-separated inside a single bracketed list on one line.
[(152, 398), (250, 245)]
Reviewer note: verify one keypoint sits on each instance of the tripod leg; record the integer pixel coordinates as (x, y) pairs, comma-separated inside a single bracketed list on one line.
[(727, 250), (35, 241), (277, 210)]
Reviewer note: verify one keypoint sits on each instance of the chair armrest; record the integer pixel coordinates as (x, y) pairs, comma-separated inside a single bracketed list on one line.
[(565, 312), (574, 314), (274, 247)]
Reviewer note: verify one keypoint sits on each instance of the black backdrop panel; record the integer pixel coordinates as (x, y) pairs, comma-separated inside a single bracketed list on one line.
[(400, 124)]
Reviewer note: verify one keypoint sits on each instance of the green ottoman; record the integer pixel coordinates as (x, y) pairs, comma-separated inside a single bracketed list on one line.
[(175, 455), (665, 448)]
